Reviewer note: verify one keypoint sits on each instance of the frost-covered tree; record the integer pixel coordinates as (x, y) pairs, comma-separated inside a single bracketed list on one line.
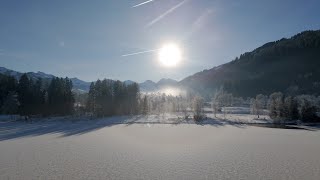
[(198, 108), (258, 104), (184, 105), (307, 107), (215, 104), (302, 107), (221, 99), (276, 105), (253, 106)]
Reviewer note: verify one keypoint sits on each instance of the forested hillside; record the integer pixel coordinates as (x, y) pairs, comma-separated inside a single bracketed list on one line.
[(287, 65)]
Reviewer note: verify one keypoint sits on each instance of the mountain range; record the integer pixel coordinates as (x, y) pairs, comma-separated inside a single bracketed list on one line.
[(77, 83), (83, 86), (288, 65)]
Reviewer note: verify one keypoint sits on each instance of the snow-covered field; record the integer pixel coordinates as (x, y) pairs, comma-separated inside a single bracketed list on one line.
[(136, 148)]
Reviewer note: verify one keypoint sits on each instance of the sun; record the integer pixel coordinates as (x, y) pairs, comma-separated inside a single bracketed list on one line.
[(170, 55)]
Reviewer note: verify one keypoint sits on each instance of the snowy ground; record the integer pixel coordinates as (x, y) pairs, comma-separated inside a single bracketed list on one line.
[(140, 149)]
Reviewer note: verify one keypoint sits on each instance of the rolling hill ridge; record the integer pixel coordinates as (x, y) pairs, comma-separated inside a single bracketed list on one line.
[(288, 65)]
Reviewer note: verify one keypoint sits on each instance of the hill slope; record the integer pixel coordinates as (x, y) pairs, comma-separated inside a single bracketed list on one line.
[(288, 65)]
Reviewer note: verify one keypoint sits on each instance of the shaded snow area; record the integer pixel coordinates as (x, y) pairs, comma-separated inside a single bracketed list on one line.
[(97, 149), (166, 118)]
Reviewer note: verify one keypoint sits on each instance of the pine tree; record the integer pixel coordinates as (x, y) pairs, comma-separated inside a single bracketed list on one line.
[(8, 84), (24, 95), (107, 98), (98, 98), (69, 96), (60, 97), (90, 106), (145, 106), (38, 97), (132, 98), (11, 104), (118, 95)]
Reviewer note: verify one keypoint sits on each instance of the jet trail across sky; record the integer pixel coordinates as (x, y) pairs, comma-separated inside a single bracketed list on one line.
[(166, 13), (146, 2), (141, 52)]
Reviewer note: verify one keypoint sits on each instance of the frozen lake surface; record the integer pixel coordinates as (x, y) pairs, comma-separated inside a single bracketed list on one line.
[(98, 150)]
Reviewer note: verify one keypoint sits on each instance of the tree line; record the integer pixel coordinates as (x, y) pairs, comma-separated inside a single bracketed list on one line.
[(28, 96), (303, 107), (280, 107), (108, 97), (161, 103)]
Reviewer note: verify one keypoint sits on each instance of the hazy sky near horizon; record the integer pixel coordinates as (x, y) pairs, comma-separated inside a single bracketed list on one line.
[(86, 39)]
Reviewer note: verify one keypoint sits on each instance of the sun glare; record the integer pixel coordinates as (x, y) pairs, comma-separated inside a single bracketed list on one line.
[(170, 55)]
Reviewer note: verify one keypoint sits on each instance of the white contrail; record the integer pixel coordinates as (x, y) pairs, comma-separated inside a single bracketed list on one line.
[(166, 13), (142, 3), (141, 52)]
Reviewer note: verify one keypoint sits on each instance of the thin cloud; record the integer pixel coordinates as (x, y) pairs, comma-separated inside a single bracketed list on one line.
[(166, 13), (146, 2), (18, 55), (1, 51), (61, 43), (199, 23)]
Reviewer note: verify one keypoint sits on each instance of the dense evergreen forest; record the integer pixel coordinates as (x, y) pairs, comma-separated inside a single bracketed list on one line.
[(36, 97), (108, 97), (27, 96)]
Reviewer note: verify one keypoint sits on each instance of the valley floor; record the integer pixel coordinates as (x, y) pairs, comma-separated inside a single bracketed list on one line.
[(134, 148)]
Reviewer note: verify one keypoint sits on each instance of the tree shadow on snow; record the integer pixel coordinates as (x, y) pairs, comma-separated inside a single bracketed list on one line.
[(70, 126), (217, 122), (64, 126)]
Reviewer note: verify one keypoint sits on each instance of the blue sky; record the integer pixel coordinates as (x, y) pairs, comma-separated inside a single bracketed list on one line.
[(86, 39)]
